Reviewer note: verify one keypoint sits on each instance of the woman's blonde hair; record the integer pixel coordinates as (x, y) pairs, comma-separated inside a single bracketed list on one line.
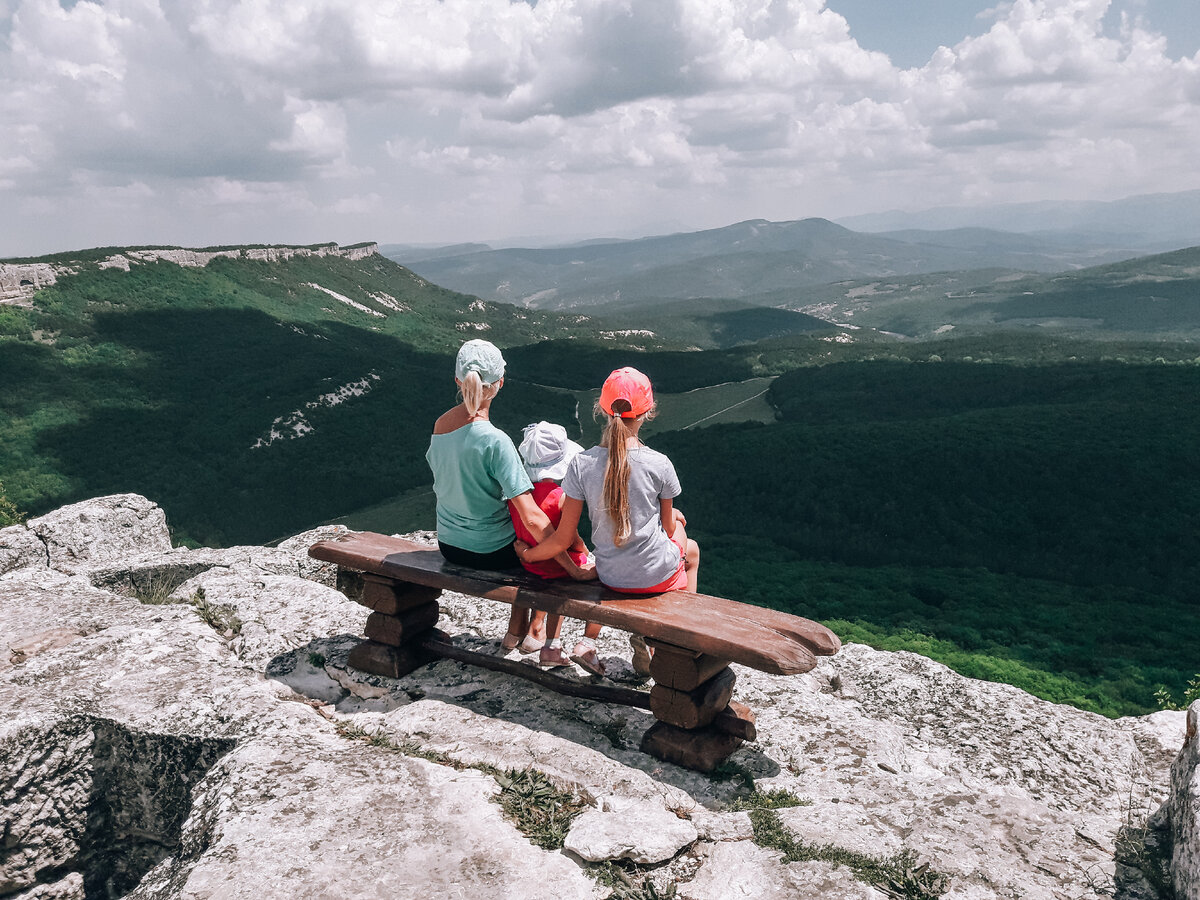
[(616, 473), (475, 392)]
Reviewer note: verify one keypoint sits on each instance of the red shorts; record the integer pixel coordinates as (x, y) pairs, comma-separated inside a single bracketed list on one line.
[(677, 582)]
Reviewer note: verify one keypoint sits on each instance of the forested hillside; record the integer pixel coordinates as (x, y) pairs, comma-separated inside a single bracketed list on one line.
[(1021, 504), (243, 396)]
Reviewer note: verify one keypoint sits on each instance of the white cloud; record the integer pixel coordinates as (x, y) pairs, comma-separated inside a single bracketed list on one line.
[(478, 117)]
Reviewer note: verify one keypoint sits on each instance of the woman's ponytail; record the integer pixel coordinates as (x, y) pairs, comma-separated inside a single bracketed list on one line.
[(616, 475), (471, 387)]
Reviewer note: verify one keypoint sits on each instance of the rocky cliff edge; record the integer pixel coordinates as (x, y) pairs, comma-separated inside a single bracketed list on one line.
[(182, 724)]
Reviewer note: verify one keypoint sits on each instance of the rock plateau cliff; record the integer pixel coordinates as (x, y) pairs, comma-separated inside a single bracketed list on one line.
[(182, 724)]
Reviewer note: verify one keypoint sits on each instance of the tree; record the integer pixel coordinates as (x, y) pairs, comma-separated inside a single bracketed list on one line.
[(8, 511)]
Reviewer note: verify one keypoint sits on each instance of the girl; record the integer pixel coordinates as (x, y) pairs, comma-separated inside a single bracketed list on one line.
[(639, 540), (475, 470)]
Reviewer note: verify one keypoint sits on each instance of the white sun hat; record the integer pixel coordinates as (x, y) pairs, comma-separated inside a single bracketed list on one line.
[(547, 451)]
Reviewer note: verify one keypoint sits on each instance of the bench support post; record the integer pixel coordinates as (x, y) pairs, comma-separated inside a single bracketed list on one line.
[(698, 726), (403, 616)]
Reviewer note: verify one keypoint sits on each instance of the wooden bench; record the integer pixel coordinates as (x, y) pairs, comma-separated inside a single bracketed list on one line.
[(694, 636)]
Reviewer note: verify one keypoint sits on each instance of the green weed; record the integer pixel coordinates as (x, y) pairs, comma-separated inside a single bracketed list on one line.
[(778, 798), (897, 876), (220, 617)]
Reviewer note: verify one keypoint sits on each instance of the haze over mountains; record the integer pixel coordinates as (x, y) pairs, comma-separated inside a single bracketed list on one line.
[(759, 260)]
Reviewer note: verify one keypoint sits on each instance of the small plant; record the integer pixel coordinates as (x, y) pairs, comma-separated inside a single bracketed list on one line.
[(897, 876), (627, 882), (541, 811), (316, 660), (221, 617), (778, 798), (1190, 695), (1138, 846), (9, 514), (155, 592)]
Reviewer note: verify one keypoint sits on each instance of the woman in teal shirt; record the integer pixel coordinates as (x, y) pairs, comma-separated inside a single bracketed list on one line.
[(476, 469)]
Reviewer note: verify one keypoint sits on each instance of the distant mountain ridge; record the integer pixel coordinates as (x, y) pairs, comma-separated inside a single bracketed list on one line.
[(739, 260), (1145, 221), (20, 278)]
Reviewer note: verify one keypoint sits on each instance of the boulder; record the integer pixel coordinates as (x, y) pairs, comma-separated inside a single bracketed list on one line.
[(145, 752), (639, 831), (95, 532), (20, 547)]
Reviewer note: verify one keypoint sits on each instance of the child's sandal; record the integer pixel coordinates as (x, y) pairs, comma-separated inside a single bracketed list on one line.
[(511, 641), (553, 658), (585, 657)]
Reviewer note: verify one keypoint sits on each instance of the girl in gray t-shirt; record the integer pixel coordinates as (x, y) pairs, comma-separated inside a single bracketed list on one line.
[(640, 542)]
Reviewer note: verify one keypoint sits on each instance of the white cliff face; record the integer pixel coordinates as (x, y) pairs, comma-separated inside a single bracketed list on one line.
[(146, 753), (19, 281)]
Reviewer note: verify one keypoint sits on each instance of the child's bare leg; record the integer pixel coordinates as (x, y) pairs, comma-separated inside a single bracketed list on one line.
[(518, 621), (552, 653), (518, 627), (691, 556), (537, 625)]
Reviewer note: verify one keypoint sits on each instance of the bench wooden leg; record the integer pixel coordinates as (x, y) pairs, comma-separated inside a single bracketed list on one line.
[(402, 616), (698, 724)]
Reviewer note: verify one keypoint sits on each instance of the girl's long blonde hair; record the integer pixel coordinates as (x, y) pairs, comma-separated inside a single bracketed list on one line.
[(475, 392), (616, 473)]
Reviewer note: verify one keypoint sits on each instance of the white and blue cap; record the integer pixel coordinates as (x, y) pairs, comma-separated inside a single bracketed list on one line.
[(482, 357), (547, 451)]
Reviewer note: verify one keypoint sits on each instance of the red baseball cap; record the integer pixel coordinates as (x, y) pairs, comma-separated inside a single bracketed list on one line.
[(630, 385)]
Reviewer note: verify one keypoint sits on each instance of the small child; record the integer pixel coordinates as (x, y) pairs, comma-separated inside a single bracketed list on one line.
[(547, 451)]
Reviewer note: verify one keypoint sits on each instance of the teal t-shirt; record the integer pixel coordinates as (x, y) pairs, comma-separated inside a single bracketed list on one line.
[(476, 469)]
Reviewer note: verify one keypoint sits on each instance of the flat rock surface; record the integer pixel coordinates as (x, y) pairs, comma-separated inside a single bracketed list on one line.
[(642, 832), (239, 761)]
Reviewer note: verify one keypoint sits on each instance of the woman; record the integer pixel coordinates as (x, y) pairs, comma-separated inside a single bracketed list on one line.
[(476, 469)]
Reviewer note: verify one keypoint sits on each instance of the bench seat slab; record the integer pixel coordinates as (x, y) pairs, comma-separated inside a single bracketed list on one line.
[(760, 638)]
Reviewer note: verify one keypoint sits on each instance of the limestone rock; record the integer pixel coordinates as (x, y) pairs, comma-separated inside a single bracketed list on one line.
[(398, 827), (89, 534), (278, 613), (143, 753), (1184, 811), (20, 547), (634, 830)]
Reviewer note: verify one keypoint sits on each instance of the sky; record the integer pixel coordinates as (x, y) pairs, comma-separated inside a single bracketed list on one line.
[(205, 122)]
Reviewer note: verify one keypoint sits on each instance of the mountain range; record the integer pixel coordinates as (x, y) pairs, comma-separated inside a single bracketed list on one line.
[(738, 261)]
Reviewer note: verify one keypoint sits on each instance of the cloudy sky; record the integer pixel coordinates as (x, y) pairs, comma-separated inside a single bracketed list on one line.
[(200, 122)]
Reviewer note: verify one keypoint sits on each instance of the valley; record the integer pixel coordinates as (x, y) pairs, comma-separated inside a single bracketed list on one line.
[(992, 467)]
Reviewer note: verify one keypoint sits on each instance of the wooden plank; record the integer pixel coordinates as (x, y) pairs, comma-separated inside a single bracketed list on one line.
[(680, 669), (695, 708), (703, 749), (763, 639), (384, 595), (391, 662), (545, 677), (403, 628), (737, 719)]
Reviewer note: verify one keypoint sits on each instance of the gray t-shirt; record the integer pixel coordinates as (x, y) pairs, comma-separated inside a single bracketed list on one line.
[(648, 557)]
